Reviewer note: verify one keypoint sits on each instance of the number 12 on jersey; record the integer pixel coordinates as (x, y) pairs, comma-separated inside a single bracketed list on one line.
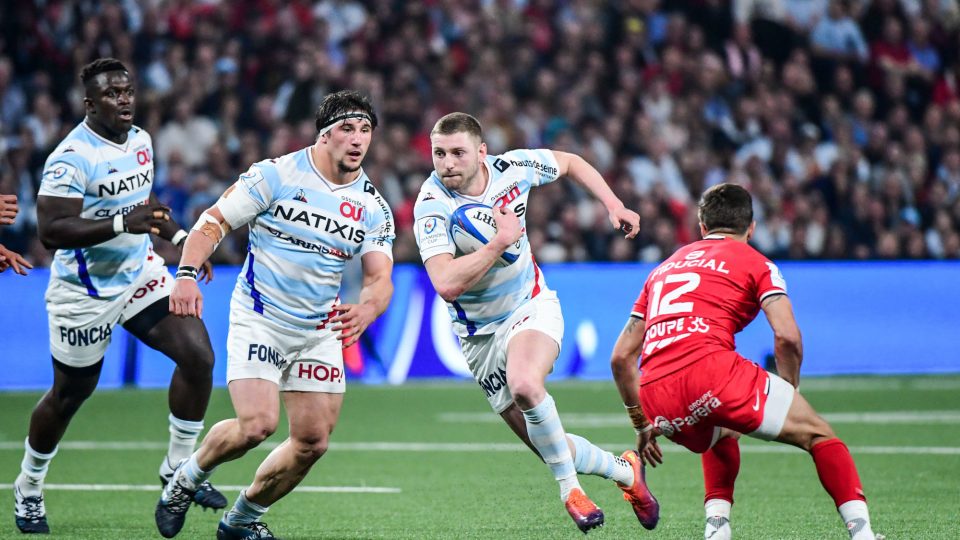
[(669, 305)]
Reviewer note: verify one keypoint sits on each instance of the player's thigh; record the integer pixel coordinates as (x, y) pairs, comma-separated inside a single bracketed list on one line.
[(182, 339), (803, 427), (672, 404), (256, 402), (532, 338), (81, 326), (312, 415), (147, 316)]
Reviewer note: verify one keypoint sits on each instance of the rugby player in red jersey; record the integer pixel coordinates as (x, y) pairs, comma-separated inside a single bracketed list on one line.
[(694, 388)]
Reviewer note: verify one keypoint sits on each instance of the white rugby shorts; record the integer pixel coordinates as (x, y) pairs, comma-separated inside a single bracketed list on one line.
[(299, 360), (81, 326), (486, 355)]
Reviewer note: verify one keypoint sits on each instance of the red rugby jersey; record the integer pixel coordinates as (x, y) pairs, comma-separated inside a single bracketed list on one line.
[(696, 300)]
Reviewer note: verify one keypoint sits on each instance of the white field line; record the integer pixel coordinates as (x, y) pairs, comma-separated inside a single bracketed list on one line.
[(746, 447), (156, 487), (588, 420)]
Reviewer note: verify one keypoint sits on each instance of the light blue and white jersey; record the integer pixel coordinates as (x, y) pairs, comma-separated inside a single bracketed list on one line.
[(504, 288), (303, 229), (111, 179)]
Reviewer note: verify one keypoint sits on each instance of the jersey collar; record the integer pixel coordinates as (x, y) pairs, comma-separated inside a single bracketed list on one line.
[(99, 137)]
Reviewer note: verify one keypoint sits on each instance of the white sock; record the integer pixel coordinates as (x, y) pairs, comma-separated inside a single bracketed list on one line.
[(717, 508), (183, 438), (718, 520), (857, 519), (546, 434), (192, 475), (591, 459), (244, 511), (33, 469)]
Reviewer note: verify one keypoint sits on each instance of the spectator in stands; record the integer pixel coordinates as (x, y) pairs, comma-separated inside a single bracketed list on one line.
[(708, 78)]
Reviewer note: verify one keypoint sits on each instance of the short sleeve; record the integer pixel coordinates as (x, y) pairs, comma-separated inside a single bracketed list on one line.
[(65, 175), (249, 196), (431, 223), (769, 280), (640, 306)]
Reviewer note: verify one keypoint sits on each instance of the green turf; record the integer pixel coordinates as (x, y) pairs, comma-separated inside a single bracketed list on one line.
[(508, 494)]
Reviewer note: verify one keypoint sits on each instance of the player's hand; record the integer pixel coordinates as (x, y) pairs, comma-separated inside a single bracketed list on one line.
[(12, 259), (186, 300), (206, 272), (626, 221), (350, 321), (649, 449), (8, 209), (508, 226), (147, 218)]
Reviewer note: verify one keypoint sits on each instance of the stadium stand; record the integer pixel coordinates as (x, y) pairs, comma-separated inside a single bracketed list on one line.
[(842, 117)]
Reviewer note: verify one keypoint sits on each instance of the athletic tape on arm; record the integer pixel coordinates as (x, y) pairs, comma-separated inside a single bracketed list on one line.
[(211, 227)]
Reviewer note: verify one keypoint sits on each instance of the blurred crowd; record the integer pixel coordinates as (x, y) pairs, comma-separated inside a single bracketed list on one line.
[(841, 117)]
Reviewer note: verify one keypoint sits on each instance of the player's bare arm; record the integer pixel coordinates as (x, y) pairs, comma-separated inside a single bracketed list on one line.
[(623, 363), (787, 342), (60, 226), (622, 218), (170, 231), (12, 259), (186, 299), (451, 276), (353, 319), (8, 209)]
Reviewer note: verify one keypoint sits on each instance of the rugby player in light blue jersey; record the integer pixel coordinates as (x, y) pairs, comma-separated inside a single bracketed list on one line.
[(508, 320), (309, 212), (96, 208)]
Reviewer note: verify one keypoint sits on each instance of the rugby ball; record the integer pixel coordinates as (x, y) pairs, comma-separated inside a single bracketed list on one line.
[(472, 226)]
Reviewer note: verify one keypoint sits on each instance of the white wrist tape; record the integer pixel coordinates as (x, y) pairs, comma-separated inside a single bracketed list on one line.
[(178, 237), (118, 225)]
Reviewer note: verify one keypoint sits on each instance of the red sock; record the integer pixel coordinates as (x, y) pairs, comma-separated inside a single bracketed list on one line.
[(837, 472), (721, 464)]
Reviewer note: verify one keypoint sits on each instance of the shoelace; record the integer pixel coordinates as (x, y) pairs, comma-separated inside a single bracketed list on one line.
[(581, 503), (205, 486), (260, 528), (32, 509), (179, 501)]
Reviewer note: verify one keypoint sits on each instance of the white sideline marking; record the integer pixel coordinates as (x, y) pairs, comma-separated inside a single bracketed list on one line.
[(588, 420), (747, 447), (156, 487)]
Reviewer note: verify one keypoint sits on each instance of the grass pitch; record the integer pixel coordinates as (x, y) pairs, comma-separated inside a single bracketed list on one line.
[(432, 461)]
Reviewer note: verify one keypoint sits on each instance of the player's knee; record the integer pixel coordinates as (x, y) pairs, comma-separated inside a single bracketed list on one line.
[(196, 360), (820, 431), (310, 449), (527, 392), (67, 401), (256, 430), (70, 404)]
